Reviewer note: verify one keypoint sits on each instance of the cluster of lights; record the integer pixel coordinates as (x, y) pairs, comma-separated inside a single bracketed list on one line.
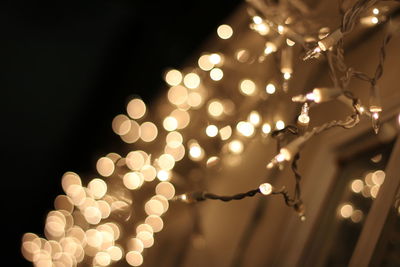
[(75, 231), (368, 187)]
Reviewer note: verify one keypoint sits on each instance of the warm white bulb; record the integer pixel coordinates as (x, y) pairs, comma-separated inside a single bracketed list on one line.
[(303, 119), (280, 157), (254, 118), (270, 48), (266, 128), (286, 154), (212, 130), (290, 42), (257, 20), (270, 88), (265, 189), (279, 125), (281, 29), (287, 75), (375, 11)]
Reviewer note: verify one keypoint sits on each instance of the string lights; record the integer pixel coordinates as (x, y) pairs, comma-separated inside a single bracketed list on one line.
[(86, 225)]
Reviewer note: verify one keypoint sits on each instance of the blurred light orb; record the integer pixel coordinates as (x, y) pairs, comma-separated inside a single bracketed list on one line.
[(155, 222), (70, 178), (133, 134), (216, 74), (254, 118), (165, 189), (245, 128), (136, 108), (135, 160), (170, 123), (212, 130), (102, 258), (174, 139), (215, 108), (105, 166), (205, 63), (177, 95), (357, 185), (247, 87), (266, 128), (135, 244), (134, 258), (173, 77), (163, 175), (224, 31), (121, 124), (166, 162), (148, 131), (270, 88), (215, 58), (191, 80), (132, 180), (225, 132), (279, 125), (236, 146), (98, 188), (195, 99), (346, 211)]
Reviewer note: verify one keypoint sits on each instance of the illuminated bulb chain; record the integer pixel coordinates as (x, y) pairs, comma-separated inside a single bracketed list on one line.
[(91, 204)]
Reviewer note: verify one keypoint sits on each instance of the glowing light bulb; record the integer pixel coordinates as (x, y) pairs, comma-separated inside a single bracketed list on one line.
[(375, 122), (375, 11), (287, 75), (262, 28), (279, 125), (254, 118), (266, 128), (281, 29), (265, 189), (270, 88), (303, 118), (270, 48), (212, 130), (257, 20)]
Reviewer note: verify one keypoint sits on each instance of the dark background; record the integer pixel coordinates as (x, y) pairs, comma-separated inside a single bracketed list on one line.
[(67, 68)]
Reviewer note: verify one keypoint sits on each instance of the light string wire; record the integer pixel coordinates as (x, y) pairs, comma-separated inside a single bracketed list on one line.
[(335, 60)]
